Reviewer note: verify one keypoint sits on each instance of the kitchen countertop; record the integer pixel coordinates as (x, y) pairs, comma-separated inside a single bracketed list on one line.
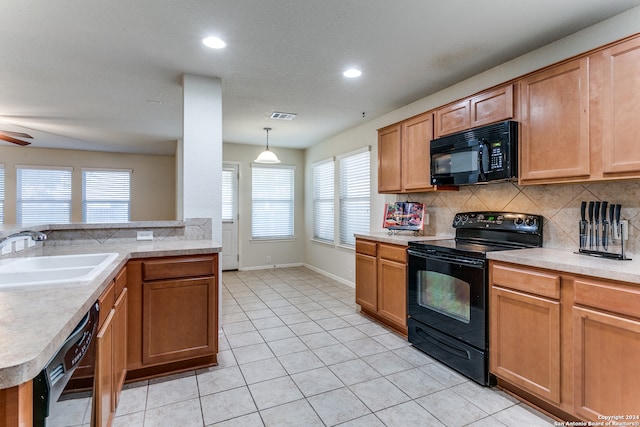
[(570, 262), (399, 239), (36, 320)]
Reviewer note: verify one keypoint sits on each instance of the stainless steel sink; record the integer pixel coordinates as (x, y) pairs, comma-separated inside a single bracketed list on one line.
[(58, 269)]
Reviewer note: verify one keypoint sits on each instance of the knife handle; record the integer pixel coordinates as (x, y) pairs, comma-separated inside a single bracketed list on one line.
[(591, 211), (583, 210), (597, 211), (618, 209), (603, 213), (612, 208)]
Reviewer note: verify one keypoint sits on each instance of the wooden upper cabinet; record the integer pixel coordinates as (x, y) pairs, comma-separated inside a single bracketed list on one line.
[(620, 82), (453, 118), (390, 159), (487, 107), (492, 106), (404, 157), (554, 136), (417, 134)]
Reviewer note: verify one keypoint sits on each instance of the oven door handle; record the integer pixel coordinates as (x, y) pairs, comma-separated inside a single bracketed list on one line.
[(431, 255)]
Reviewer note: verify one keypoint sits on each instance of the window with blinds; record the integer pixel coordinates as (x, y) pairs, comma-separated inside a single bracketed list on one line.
[(106, 195), (1, 194), (355, 189), (323, 201), (272, 202), (43, 195)]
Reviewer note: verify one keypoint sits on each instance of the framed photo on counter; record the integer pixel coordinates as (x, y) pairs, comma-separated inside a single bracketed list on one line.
[(404, 216)]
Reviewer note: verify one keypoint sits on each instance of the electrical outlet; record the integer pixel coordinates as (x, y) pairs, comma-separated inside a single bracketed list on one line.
[(425, 219), (268, 259), (145, 235)]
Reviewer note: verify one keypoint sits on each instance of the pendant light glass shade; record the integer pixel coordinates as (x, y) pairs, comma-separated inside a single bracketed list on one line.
[(267, 156)]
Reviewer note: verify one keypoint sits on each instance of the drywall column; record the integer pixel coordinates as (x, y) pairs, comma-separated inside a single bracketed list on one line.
[(200, 175)]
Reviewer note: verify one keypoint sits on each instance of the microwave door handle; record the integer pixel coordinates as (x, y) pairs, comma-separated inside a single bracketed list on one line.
[(480, 165)]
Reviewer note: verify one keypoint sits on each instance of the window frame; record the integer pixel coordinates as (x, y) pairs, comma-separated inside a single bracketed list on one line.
[(21, 200), (343, 223), (290, 202), (86, 202), (315, 167)]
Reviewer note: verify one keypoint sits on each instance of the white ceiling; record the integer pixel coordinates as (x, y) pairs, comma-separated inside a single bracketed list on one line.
[(106, 75)]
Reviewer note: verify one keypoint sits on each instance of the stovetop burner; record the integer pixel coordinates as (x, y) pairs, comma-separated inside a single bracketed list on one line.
[(480, 232)]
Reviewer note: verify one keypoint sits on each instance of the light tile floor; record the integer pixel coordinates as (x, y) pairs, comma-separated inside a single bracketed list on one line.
[(294, 351)]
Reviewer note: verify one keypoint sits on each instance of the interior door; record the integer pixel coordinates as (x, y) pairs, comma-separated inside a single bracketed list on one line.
[(230, 177)]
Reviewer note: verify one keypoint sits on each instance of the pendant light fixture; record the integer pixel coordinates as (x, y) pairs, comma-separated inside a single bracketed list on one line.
[(267, 156)]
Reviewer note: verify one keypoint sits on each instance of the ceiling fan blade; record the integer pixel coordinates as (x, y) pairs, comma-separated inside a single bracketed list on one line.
[(14, 140), (16, 134)]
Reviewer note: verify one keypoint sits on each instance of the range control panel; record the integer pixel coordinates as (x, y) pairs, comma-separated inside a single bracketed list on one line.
[(508, 221)]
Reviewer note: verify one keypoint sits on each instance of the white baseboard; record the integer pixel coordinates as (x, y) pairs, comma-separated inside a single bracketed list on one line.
[(332, 276), (270, 266)]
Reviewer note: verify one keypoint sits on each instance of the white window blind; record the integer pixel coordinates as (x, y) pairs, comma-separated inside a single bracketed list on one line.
[(43, 195), (323, 201), (1, 194), (355, 188), (227, 194), (106, 196), (272, 202)]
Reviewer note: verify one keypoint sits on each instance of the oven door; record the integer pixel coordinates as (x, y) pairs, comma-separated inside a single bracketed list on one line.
[(448, 293)]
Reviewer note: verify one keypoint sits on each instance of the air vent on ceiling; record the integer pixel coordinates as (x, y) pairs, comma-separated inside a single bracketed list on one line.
[(277, 115)]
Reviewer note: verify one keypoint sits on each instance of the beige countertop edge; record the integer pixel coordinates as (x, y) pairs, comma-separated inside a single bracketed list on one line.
[(35, 321), (570, 262), (399, 239)]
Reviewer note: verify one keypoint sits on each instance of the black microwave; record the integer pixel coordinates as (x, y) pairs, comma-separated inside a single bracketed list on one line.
[(484, 154)]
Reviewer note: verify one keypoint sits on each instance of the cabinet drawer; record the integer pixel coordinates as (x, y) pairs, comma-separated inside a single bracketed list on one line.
[(365, 247), (121, 281), (174, 268), (106, 301), (608, 296), (393, 252), (537, 282)]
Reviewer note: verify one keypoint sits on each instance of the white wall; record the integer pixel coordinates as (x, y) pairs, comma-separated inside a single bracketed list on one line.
[(340, 262), (253, 253)]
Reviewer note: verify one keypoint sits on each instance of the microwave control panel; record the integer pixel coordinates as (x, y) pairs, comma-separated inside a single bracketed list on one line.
[(496, 155)]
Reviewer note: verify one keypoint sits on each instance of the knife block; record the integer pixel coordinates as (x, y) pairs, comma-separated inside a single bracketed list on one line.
[(592, 242)]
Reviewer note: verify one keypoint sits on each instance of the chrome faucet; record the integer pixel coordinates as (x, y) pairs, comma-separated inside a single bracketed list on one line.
[(34, 235)]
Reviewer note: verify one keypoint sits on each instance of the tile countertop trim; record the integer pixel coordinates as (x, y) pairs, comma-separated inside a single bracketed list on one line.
[(572, 263), (398, 239), (35, 321)]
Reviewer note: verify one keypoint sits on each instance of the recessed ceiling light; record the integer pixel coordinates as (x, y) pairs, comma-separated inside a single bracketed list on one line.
[(352, 72), (214, 42)]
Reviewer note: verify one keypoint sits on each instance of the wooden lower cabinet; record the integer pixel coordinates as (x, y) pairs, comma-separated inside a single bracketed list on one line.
[(110, 359), (104, 384), (535, 366), (16, 406), (381, 282), (177, 320), (173, 314), (568, 343)]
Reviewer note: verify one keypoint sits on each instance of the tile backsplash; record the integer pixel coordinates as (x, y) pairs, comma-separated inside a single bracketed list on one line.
[(559, 204)]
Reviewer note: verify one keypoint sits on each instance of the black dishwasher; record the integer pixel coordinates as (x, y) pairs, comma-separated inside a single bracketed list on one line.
[(48, 385)]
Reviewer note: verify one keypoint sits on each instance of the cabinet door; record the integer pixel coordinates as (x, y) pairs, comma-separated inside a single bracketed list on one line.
[(390, 159), (606, 364), (417, 134), (103, 384), (525, 341), (366, 282), (178, 320), (620, 108), (392, 292), (554, 144), (119, 344), (453, 118), (492, 106)]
